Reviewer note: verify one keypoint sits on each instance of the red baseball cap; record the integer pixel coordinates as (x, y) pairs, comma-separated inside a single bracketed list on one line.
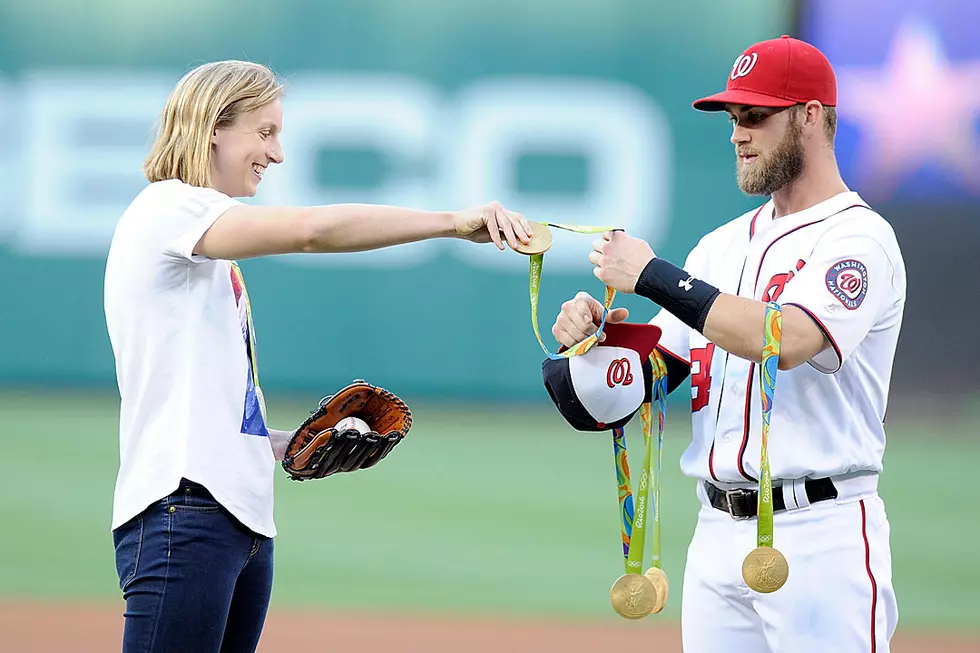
[(776, 73)]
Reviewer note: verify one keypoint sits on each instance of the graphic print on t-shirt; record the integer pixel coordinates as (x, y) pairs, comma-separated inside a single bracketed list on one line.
[(253, 422)]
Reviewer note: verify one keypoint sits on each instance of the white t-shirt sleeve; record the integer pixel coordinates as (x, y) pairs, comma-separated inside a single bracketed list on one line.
[(845, 287), (194, 211)]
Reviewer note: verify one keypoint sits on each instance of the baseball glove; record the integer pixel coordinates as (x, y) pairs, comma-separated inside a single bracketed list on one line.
[(317, 449)]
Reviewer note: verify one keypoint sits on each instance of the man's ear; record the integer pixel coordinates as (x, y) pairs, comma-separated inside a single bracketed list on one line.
[(813, 114)]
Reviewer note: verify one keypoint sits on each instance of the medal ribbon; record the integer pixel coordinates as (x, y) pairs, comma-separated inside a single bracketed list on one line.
[(767, 379), (250, 341), (634, 522), (632, 544), (537, 262)]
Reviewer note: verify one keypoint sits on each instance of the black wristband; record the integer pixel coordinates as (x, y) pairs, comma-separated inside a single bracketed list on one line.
[(687, 298)]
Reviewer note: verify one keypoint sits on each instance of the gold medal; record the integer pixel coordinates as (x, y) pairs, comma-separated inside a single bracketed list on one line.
[(765, 569), (659, 580), (633, 596), (540, 240)]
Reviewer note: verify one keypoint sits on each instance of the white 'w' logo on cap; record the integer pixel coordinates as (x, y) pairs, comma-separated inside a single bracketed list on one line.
[(744, 65)]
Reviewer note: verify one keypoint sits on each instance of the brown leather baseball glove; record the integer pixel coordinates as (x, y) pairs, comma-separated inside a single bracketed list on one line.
[(318, 449)]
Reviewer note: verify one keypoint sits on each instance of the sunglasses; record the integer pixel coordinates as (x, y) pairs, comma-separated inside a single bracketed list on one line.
[(754, 116)]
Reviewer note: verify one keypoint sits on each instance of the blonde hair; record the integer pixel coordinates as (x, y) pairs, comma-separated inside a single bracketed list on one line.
[(209, 97)]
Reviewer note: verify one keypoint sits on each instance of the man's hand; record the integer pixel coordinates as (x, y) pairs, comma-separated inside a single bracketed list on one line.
[(619, 259), (580, 318), (484, 224)]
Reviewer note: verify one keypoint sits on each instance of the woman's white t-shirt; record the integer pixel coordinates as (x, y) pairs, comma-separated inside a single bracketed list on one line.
[(181, 332)]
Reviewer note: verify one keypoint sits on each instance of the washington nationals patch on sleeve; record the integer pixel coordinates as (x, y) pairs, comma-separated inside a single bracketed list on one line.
[(847, 280)]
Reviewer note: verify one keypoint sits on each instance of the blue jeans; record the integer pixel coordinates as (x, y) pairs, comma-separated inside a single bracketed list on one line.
[(194, 578)]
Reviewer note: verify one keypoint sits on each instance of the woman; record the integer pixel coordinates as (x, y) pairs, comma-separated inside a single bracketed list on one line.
[(192, 517)]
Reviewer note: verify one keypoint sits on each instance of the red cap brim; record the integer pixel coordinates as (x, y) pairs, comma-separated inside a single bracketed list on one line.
[(718, 101), (641, 338)]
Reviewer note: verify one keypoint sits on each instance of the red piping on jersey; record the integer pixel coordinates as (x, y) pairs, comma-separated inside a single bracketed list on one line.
[(755, 291), (711, 460), (871, 576), (711, 453), (823, 327), (762, 259), (746, 422), (752, 224), (664, 350)]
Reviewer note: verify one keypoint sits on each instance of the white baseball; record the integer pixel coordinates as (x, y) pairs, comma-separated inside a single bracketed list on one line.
[(355, 423)]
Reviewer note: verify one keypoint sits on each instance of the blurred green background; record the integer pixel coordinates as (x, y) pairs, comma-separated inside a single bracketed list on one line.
[(573, 112), (571, 115), (513, 507)]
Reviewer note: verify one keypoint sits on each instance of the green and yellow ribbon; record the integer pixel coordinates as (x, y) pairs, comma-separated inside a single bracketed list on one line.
[(634, 522), (767, 379), (537, 263)]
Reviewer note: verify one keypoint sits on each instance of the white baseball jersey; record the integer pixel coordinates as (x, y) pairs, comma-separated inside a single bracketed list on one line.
[(840, 262), (181, 332)]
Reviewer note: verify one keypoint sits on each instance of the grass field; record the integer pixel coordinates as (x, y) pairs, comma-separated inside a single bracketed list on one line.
[(494, 511)]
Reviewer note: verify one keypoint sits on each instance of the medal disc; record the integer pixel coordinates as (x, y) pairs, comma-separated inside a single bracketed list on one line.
[(659, 580), (765, 569), (633, 596), (540, 240)]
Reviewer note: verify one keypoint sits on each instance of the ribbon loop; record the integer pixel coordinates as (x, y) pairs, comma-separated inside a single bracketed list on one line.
[(636, 511), (634, 518), (536, 265)]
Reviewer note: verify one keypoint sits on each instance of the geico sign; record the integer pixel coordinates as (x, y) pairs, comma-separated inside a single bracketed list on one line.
[(85, 135)]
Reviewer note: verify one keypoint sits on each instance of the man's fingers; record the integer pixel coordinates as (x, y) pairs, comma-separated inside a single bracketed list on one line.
[(595, 311), (567, 333), (581, 317), (576, 318), (588, 307), (617, 315), (584, 313)]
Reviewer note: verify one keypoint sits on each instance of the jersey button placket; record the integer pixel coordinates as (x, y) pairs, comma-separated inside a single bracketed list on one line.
[(736, 394)]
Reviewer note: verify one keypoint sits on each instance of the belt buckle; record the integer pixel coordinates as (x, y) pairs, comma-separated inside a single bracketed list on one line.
[(739, 492)]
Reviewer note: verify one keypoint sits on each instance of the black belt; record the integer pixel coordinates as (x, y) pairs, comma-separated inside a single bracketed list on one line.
[(744, 504)]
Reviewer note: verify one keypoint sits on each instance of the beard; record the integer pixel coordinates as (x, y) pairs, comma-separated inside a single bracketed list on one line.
[(781, 167)]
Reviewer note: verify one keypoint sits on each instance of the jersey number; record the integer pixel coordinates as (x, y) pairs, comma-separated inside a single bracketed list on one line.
[(701, 376)]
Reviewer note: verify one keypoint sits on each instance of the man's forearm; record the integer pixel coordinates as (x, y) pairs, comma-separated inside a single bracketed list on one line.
[(736, 324)]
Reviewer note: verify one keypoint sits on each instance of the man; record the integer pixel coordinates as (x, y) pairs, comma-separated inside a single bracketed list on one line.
[(835, 268)]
